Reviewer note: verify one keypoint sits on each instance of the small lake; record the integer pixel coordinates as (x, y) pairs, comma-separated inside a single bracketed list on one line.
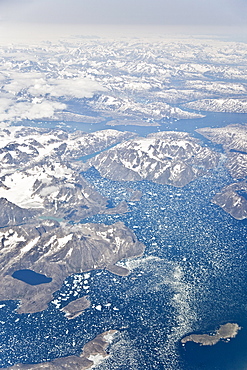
[(31, 277), (89, 156)]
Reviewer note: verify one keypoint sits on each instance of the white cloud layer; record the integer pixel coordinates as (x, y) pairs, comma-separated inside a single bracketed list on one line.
[(20, 81), (31, 95), (11, 110), (38, 85), (75, 87)]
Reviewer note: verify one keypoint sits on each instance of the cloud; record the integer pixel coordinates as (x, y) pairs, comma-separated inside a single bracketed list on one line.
[(20, 81), (16, 111), (72, 87), (37, 84), (32, 95)]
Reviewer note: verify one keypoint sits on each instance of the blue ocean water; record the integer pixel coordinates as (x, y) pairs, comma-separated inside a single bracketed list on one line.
[(188, 125), (192, 278)]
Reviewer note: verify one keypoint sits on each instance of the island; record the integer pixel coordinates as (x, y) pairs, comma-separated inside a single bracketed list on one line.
[(92, 353), (230, 105), (136, 195), (226, 331), (75, 308)]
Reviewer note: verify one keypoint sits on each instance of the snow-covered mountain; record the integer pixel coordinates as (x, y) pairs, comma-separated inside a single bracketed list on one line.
[(42, 191), (39, 171), (23, 146), (233, 138), (11, 214), (53, 189), (172, 158), (88, 80), (219, 105), (157, 110)]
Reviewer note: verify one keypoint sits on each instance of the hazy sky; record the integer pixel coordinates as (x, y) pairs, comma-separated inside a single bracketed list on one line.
[(153, 12)]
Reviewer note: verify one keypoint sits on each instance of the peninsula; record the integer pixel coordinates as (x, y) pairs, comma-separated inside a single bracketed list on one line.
[(93, 352)]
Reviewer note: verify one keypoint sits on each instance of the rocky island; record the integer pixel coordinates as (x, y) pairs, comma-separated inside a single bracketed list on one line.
[(219, 105), (75, 308), (226, 331)]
